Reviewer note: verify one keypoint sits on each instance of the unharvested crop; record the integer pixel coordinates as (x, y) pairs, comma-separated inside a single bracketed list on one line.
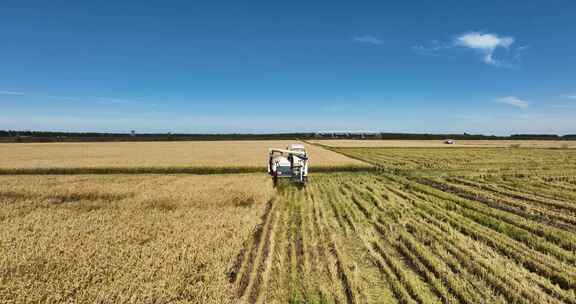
[(124, 238), (152, 157)]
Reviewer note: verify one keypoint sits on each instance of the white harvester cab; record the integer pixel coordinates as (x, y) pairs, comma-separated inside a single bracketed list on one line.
[(291, 162)]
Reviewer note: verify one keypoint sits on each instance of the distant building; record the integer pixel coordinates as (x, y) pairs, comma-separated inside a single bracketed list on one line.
[(348, 134), (449, 141)]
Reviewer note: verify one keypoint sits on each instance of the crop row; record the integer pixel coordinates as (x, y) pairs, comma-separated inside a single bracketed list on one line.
[(360, 237)]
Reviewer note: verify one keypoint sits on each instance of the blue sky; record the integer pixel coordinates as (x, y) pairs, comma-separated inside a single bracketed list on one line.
[(491, 67)]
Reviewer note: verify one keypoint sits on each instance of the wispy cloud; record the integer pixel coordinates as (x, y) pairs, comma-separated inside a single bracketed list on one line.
[(11, 93), (514, 101), (569, 96), (109, 100), (434, 46), (485, 43), (368, 39), (518, 122), (66, 98), (112, 100), (564, 106), (334, 108), (103, 100)]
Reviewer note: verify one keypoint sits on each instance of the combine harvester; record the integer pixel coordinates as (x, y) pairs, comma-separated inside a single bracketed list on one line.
[(291, 162)]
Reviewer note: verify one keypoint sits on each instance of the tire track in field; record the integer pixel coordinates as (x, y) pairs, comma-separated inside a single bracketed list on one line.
[(247, 261), (251, 268), (262, 271)]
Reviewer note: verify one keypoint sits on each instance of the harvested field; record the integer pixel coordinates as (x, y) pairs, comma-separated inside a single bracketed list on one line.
[(422, 238), (469, 161), (439, 143), (136, 239), (171, 157)]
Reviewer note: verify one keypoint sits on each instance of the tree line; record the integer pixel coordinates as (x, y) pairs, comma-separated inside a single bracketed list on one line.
[(50, 136)]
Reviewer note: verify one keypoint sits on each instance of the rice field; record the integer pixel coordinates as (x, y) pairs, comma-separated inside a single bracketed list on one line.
[(125, 238), (420, 238), (468, 161), (427, 225), (391, 143), (153, 157)]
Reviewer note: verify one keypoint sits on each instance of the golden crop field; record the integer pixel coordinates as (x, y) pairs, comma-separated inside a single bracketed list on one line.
[(429, 225), (188, 154), (125, 238), (440, 144)]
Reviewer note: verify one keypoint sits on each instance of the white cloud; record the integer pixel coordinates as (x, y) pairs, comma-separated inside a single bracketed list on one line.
[(369, 39), (514, 101), (11, 93), (485, 43)]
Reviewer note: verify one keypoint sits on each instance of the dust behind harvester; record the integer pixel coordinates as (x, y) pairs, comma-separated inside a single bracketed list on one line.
[(291, 162)]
